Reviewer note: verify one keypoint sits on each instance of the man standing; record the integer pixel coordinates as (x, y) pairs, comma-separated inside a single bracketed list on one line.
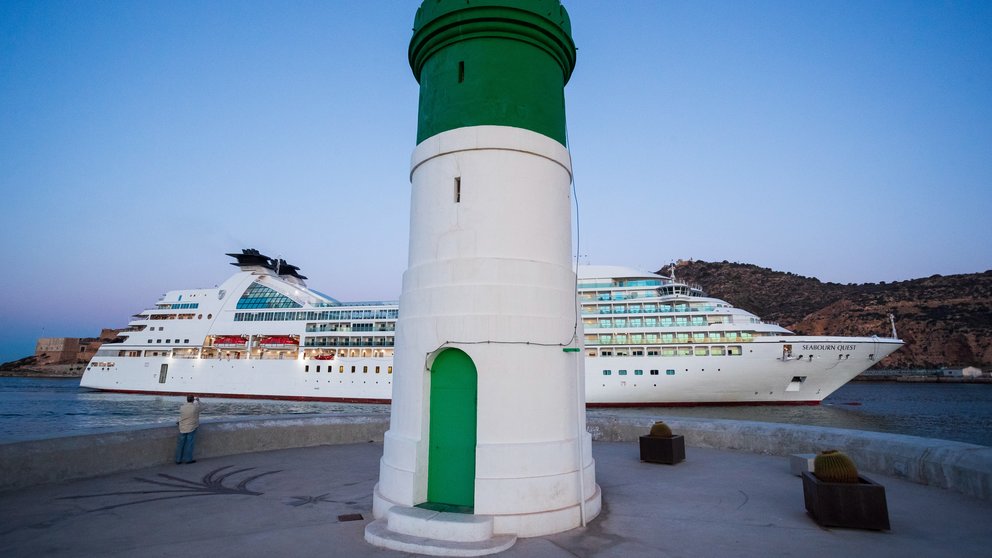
[(189, 420)]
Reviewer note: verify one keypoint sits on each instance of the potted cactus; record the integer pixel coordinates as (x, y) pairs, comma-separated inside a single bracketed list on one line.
[(837, 496), (661, 446)]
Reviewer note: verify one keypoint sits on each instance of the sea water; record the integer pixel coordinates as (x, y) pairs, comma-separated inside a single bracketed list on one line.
[(960, 412), (36, 408)]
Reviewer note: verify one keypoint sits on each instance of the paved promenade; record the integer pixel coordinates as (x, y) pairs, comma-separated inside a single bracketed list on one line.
[(297, 502)]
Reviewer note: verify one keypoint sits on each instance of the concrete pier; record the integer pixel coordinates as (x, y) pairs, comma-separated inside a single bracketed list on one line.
[(733, 496)]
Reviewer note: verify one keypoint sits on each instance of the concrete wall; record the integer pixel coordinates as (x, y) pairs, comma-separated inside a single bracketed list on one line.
[(25, 464), (965, 468)]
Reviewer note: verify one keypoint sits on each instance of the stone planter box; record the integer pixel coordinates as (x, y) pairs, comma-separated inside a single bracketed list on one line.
[(858, 505), (656, 449)]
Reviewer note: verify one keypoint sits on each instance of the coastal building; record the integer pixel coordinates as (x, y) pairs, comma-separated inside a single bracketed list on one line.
[(60, 356), (971, 372), (71, 350), (487, 439), (966, 372)]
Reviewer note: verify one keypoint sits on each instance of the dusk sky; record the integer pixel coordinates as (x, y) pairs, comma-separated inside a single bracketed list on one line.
[(141, 141)]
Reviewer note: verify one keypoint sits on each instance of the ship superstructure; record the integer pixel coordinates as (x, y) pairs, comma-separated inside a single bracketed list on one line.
[(651, 339), (261, 333)]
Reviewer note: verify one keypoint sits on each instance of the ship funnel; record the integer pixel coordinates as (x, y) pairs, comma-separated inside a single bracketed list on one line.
[(288, 271), (251, 259)]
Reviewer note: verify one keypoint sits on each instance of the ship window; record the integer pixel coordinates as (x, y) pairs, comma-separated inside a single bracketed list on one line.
[(306, 368), (458, 189), (461, 71), (638, 372), (376, 369), (185, 340), (669, 372), (622, 373), (654, 372), (341, 369), (318, 368), (150, 341), (365, 370), (260, 296), (352, 369), (158, 340), (607, 372), (389, 370)]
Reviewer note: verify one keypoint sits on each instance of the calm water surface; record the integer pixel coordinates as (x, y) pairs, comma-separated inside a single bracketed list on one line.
[(33, 408), (961, 412)]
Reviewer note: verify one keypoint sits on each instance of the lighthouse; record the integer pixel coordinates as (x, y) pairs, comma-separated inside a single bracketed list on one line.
[(487, 438)]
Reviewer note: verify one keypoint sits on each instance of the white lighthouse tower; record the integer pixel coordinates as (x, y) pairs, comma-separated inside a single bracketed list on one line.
[(487, 437)]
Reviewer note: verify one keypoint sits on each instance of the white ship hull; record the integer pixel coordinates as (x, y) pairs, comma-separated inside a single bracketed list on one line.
[(654, 347), (251, 379), (760, 376)]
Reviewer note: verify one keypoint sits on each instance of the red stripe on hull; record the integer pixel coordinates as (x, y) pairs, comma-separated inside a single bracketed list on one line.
[(248, 396), (706, 404), (387, 401)]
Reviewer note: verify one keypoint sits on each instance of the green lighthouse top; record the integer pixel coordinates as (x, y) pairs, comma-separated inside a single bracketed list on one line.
[(495, 62)]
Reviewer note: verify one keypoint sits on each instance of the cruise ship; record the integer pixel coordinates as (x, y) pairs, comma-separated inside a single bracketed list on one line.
[(649, 340)]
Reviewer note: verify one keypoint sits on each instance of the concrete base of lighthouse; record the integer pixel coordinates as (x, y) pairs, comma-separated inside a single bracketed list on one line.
[(435, 533), (422, 531)]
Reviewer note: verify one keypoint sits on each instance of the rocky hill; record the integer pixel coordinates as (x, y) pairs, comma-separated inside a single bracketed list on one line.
[(42, 368), (944, 320)]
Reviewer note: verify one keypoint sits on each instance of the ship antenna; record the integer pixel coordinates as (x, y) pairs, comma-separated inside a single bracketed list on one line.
[(892, 320)]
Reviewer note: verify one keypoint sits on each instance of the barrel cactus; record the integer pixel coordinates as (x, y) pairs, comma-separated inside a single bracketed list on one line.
[(834, 466), (660, 430)]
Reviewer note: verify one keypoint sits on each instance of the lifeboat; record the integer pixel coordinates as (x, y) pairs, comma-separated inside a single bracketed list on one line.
[(230, 342), (278, 342), (324, 357)]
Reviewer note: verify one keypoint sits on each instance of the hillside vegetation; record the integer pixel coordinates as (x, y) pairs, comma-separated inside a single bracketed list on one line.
[(944, 320)]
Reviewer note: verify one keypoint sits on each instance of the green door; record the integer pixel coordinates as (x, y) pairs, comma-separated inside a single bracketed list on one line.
[(451, 461)]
